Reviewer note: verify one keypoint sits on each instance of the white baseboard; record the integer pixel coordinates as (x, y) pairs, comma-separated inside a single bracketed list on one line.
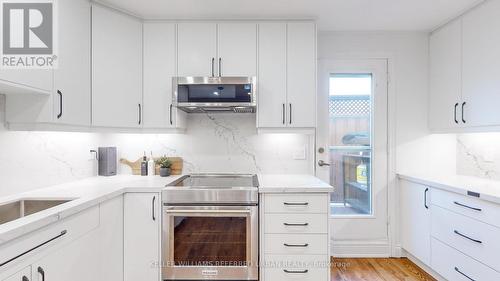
[(423, 266), (361, 249)]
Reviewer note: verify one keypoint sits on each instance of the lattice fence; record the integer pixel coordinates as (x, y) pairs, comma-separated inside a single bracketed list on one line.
[(349, 106)]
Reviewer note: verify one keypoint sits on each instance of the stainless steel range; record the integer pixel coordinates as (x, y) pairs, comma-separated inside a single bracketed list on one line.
[(210, 228)]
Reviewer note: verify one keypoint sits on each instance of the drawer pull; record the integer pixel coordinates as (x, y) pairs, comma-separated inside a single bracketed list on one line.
[(296, 245), (467, 237), (468, 207), (296, 271), (296, 203), (463, 274), (34, 248), (296, 224)]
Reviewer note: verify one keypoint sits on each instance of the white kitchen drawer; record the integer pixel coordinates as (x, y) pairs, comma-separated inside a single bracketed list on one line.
[(473, 238), (455, 266), (296, 244), (296, 203), (74, 226), (296, 223), (475, 208), (303, 268), (21, 275)]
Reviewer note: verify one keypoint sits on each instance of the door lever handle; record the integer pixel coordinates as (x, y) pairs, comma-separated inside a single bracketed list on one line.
[(322, 163)]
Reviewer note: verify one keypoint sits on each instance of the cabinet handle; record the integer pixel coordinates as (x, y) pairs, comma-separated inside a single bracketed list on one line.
[(467, 237), (296, 245), (25, 278), (220, 67), (296, 224), (425, 198), (60, 104), (465, 206), (283, 113), (296, 271), (463, 114), (153, 208), (140, 114), (42, 272), (463, 274), (455, 114), (34, 248), (213, 67), (296, 203), (170, 112)]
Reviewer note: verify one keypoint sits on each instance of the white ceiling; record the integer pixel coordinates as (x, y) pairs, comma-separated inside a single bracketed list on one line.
[(330, 14)]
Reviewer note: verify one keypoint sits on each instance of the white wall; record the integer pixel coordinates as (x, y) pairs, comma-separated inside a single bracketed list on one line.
[(416, 150), (221, 143)]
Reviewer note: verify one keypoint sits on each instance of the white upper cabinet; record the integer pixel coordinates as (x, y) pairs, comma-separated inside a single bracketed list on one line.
[(481, 58), (301, 74), (159, 68), (445, 77), (415, 224), (72, 77), (464, 85), (272, 76), (237, 52), (287, 75), (196, 49), (209, 49), (116, 69)]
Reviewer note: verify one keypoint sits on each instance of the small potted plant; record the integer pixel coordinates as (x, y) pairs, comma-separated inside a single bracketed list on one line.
[(165, 165)]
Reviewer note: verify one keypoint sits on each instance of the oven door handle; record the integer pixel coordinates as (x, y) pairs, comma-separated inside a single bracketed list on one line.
[(184, 211)]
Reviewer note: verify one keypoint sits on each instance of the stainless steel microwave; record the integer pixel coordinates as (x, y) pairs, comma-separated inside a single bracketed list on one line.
[(215, 94)]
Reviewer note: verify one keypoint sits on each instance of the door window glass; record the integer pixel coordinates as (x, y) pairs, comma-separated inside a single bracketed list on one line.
[(350, 112)]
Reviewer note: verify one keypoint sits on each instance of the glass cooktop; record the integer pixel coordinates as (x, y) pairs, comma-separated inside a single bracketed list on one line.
[(217, 181)]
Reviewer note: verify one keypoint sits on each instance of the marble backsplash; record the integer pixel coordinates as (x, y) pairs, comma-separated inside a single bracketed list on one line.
[(212, 143), (478, 155)]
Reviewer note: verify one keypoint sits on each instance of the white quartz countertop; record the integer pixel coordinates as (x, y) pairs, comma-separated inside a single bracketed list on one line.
[(488, 190), (95, 190), (86, 193), (292, 183)]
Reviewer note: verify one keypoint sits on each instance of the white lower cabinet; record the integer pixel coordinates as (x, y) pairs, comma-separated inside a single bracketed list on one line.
[(77, 262), (85, 246), (294, 237), (456, 266), (142, 221), (22, 275), (457, 236), (415, 220)]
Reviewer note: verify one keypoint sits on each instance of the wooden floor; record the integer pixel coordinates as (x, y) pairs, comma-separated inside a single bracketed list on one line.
[(371, 269)]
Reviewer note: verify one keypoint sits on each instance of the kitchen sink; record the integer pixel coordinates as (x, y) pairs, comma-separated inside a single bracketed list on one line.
[(25, 207)]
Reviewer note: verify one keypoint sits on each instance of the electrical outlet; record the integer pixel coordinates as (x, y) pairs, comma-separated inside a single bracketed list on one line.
[(300, 153)]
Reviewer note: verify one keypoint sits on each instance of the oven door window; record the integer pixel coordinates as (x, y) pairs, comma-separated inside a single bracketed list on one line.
[(210, 241), (210, 93)]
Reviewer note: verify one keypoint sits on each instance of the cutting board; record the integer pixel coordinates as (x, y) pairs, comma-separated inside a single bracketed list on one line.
[(176, 167)]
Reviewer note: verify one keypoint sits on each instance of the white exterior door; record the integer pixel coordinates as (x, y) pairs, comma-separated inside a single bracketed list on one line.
[(352, 139)]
